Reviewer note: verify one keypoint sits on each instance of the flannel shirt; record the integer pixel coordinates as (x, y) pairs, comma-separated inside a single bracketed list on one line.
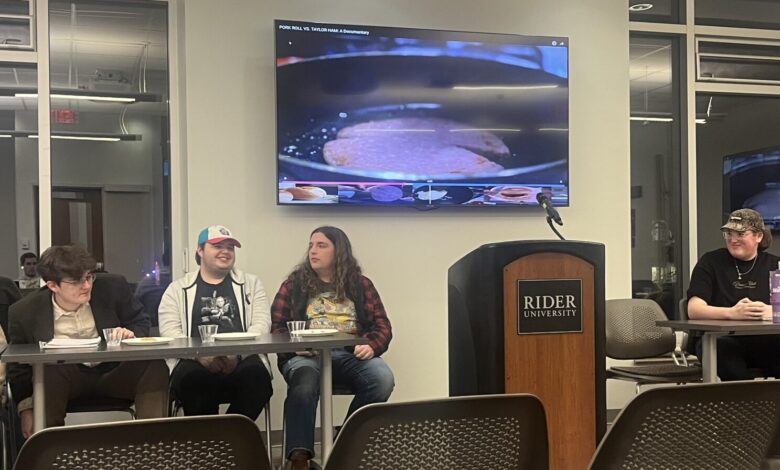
[(290, 304)]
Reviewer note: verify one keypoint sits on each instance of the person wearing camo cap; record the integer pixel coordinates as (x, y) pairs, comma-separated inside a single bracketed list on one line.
[(732, 283)]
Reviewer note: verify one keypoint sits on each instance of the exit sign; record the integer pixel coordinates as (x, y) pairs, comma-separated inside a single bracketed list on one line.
[(64, 116)]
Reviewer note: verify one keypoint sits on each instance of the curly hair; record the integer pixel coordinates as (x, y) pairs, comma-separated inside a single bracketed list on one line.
[(346, 270)]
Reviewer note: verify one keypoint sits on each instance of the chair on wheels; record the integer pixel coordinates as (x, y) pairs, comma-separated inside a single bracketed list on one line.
[(728, 425), (180, 443), (485, 431), (631, 333)]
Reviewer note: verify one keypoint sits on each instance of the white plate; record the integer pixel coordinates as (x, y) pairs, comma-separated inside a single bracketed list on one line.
[(148, 341), (316, 332), (236, 336)]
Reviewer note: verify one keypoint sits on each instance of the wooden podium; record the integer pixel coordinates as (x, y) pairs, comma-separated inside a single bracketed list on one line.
[(528, 317)]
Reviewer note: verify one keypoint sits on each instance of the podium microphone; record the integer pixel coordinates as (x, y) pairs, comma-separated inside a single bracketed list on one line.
[(545, 202)]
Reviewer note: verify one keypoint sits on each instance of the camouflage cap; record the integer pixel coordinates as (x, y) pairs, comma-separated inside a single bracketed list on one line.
[(742, 220)]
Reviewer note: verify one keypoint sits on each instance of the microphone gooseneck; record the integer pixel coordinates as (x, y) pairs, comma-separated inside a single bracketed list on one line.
[(552, 213)]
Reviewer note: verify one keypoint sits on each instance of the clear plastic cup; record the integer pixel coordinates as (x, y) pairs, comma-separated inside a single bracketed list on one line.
[(112, 336), (295, 326), (207, 333)]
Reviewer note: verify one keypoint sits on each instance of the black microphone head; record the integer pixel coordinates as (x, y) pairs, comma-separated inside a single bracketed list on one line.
[(541, 197)]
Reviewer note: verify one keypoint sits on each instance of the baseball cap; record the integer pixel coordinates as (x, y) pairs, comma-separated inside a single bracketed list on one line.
[(215, 234), (742, 220)]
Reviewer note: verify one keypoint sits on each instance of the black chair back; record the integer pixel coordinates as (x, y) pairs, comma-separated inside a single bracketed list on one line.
[(710, 426), (475, 432), (183, 443)]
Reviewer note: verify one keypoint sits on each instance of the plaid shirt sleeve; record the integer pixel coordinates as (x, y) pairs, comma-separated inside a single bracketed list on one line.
[(377, 328), (281, 309)]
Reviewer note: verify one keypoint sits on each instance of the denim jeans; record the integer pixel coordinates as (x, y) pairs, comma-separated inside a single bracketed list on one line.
[(371, 381)]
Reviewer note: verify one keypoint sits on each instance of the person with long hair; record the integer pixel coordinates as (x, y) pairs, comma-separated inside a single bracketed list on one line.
[(328, 289)]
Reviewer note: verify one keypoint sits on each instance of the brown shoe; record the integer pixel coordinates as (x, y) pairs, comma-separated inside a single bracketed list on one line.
[(299, 460)]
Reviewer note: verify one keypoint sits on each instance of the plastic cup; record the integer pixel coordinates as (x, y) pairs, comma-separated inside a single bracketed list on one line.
[(295, 326), (207, 333), (112, 336)]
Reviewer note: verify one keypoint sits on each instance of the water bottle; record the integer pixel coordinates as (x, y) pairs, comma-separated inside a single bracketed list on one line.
[(774, 294)]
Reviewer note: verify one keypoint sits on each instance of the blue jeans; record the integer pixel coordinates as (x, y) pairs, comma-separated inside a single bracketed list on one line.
[(371, 381)]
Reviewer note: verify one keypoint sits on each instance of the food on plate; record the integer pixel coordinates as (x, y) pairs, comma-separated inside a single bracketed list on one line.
[(147, 339), (428, 146), (511, 194), (285, 195), (307, 193), (385, 193)]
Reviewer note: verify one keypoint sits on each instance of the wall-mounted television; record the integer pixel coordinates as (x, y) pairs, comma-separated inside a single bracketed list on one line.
[(752, 179), (370, 115)]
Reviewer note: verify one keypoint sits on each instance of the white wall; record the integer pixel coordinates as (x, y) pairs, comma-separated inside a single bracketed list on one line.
[(231, 159)]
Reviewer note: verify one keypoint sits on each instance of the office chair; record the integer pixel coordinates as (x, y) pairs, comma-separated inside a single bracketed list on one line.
[(729, 425), (179, 443), (631, 333), (473, 432)]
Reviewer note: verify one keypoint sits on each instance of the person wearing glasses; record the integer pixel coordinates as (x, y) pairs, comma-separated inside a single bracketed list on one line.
[(328, 289), (732, 283), (77, 305)]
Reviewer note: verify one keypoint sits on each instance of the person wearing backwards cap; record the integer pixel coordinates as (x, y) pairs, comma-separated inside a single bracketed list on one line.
[(218, 294), (732, 283)]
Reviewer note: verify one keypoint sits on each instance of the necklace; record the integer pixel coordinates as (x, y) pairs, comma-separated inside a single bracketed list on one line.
[(740, 274)]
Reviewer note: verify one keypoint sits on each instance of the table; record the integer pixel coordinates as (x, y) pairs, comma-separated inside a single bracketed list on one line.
[(187, 348), (712, 329)]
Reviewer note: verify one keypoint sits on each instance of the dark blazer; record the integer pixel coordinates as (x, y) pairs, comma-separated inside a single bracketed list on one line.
[(32, 319)]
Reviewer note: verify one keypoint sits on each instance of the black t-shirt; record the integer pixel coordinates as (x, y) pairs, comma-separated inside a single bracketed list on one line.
[(215, 304), (716, 281)]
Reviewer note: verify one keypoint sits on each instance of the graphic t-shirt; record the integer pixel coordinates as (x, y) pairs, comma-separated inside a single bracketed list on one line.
[(324, 311), (215, 304), (722, 281)]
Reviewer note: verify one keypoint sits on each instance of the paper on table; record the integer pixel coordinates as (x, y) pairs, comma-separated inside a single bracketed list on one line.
[(62, 343)]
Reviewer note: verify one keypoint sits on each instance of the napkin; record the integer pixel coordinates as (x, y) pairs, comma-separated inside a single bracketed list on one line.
[(63, 343)]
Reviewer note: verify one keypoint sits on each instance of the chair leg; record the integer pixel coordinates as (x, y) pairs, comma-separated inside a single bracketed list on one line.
[(268, 433)]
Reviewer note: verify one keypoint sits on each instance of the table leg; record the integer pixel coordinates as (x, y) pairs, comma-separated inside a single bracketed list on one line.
[(39, 412), (326, 404), (710, 362)]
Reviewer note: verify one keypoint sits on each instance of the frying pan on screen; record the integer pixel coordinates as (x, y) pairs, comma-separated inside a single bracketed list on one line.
[(408, 98)]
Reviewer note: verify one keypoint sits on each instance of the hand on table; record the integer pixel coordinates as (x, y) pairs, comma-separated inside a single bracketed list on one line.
[(747, 309)]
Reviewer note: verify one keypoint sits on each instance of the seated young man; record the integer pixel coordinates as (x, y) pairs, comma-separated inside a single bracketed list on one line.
[(79, 305), (234, 301), (732, 283)]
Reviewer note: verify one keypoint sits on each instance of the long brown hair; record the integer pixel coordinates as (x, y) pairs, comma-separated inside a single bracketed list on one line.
[(346, 270)]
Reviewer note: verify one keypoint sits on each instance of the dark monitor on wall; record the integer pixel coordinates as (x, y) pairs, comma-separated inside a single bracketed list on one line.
[(386, 116), (752, 179)]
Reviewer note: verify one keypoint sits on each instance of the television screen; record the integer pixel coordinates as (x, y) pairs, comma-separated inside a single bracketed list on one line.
[(395, 116), (752, 179)]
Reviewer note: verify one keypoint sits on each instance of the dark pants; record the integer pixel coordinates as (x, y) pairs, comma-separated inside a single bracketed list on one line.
[(144, 382), (247, 388), (738, 354)]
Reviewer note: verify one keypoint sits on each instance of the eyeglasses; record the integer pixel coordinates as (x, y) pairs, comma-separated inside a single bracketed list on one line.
[(734, 234), (88, 278)]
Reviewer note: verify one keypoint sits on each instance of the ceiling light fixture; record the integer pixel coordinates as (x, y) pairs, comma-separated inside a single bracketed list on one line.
[(503, 87), (79, 137), (115, 99), (640, 7), (651, 119)]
